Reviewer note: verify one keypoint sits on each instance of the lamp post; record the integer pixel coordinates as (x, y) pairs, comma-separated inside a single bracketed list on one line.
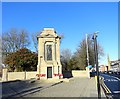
[(87, 50), (96, 63)]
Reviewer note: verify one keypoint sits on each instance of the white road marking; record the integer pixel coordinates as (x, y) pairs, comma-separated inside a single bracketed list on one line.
[(114, 80), (116, 91), (113, 77)]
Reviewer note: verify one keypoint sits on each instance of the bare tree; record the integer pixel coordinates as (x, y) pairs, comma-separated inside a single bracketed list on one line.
[(35, 42), (65, 58), (14, 40), (81, 54), (23, 39)]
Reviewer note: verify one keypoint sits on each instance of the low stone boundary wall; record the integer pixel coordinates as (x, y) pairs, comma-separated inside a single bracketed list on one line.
[(79, 73), (8, 76), (16, 76), (21, 75)]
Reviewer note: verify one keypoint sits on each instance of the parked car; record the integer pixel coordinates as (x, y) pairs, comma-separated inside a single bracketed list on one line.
[(115, 73), (105, 72), (118, 73), (110, 72), (92, 74)]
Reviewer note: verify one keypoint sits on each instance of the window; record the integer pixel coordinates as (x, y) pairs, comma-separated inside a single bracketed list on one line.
[(49, 52)]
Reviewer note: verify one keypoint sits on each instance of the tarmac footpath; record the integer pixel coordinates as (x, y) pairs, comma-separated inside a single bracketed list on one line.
[(76, 87), (20, 88)]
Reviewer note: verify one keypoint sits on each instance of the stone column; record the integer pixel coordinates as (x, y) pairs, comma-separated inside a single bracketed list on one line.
[(5, 75), (58, 51), (88, 72), (58, 56), (53, 51)]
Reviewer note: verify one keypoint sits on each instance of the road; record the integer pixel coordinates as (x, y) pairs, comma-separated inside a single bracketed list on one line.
[(113, 85)]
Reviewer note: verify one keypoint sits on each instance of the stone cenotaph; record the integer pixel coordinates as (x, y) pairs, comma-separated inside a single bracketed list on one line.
[(49, 65)]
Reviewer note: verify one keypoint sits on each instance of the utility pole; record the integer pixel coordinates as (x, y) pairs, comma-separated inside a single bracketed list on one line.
[(96, 63), (87, 50)]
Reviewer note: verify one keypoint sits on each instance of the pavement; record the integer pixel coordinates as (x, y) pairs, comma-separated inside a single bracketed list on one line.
[(19, 88), (75, 87)]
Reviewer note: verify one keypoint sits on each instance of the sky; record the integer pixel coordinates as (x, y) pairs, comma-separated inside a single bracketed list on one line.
[(71, 19)]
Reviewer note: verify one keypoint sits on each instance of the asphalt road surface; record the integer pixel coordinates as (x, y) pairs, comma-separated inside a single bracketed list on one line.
[(113, 85)]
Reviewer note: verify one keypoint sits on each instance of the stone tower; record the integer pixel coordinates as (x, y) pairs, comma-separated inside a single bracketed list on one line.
[(49, 65), (109, 62)]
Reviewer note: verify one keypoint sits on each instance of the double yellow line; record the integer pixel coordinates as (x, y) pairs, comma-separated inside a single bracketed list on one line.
[(107, 90)]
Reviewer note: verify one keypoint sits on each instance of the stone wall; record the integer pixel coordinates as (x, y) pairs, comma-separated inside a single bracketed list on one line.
[(79, 73), (8, 76), (21, 75)]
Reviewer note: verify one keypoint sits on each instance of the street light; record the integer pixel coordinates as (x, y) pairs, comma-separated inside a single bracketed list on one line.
[(87, 50), (96, 63)]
